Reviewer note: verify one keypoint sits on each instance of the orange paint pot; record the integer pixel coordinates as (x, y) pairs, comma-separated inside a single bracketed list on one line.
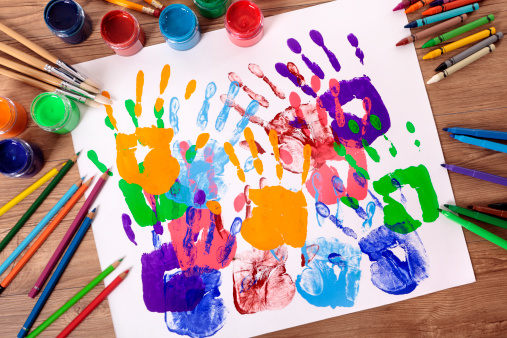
[(13, 118)]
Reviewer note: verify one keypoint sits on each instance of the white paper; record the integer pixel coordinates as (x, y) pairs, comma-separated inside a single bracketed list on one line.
[(395, 74)]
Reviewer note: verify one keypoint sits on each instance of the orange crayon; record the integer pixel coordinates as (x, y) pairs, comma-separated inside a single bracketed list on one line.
[(416, 6)]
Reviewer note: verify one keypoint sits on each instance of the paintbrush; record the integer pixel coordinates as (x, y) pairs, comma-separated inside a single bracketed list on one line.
[(52, 80), (27, 58), (49, 88), (136, 7), (47, 55)]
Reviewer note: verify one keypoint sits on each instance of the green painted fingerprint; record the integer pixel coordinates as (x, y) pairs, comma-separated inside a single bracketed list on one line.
[(92, 155)]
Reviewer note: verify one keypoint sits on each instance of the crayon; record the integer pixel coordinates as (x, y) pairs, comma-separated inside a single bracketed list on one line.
[(440, 2), (460, 43), (459, 31), (492, 211), (430, 31), (463, 63), (475, 214), (404, 4), (480, 142), (476, 174), (498, 206), (416, 6), (442, 16), (448, 7), (498, 135), (466, 53)]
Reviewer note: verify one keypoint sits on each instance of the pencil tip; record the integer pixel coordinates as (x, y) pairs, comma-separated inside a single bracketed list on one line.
[(94, 209)]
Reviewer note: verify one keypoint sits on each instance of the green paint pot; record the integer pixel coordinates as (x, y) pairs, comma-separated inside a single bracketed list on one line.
[(55, 113), (212, 8)]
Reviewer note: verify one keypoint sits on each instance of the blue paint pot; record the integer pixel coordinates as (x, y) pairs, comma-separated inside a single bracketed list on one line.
[(67, 20), (179, 27), (19, 158)]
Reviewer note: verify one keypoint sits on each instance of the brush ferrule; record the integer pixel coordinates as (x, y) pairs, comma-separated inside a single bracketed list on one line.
[(70, 70), (64, 76), (71, 95), (75, 89)]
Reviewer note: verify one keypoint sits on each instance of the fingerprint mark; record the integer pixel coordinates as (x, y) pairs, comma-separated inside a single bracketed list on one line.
[(257, 71), (229, 150), (190, 89), (355, 43), (253, 149)]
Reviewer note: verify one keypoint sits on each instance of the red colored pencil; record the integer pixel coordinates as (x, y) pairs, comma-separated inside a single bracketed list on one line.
[(448, 6), (96, 302), (68, 236)]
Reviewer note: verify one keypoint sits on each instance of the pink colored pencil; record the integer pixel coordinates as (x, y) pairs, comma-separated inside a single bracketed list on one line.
[(68, 236)]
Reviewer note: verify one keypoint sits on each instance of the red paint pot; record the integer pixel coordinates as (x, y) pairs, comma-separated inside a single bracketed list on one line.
[(244, 23), (121, 31)]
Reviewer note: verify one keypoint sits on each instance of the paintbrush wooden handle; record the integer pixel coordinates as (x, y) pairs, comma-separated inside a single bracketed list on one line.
[(36, 48), (22, 56), (53, 80), (27, 80)]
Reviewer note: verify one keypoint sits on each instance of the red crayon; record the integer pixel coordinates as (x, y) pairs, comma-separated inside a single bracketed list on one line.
[(404, 4), (490, 211), (448, 6)]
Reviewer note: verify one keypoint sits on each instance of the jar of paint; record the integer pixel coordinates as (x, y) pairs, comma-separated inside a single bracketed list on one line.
[(19, 158), (13, 118), (179, 27), (122, 32), (244, 23), (212, 8), (55, 113), (67, 20)]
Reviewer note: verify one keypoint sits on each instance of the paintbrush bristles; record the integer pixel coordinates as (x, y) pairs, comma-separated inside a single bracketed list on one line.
[(88, 88), (102, 99), (92, 103), (92, 83)]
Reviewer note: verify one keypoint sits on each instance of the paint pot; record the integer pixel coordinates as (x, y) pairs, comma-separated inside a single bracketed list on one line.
[(55, 113), (212, 8), (67, 20), (13, 118), (122, 32), (179, 27), (244, 23), (19, 158)]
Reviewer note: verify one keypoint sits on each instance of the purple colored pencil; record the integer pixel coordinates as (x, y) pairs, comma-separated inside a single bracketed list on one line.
[(477, 174), (68, 235), (404, 4), (439, 2)]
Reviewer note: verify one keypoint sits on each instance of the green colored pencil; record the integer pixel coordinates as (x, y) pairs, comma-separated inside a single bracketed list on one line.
[(478, 216), (38, 202), (475, 229), (458, 31), (74, 299)]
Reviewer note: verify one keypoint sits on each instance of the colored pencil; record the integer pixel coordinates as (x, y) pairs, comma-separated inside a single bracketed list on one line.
[(442, 16), (448, 6), (56, 276), (477, 174), (469, 51), (38, 228), (480, 142), (38, 202), (463, 63), (432, 30), (460, 43), (416, 6), (458, 31), (475, 229), (440, 2), (47, 55), (31, 189), (499, 135), (68, 235), (161, 7), (491, 211), (93, 305), (42, 238), (498, 206), (136, 7), (49, 88), (478, 216)]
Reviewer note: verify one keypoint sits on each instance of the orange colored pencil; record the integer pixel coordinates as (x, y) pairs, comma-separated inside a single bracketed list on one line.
[(416, 6), (448, 6), (42, 238)]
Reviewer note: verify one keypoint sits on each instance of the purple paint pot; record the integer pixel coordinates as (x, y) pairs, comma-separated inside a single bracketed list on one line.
[(19, 158)]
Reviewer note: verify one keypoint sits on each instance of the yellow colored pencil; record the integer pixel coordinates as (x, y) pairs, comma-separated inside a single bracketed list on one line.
[(460, 43), (30, 189)]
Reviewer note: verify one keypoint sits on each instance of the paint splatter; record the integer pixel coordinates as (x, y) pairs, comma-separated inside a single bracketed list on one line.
[(250, 111), (110, 120), (224, 113), (355, 43), (192, 84), (249, 137), (319, 41), (372, 152), (127, 227), (295, 47), (411, 129), (138, 109), (284, 71), (191, 153), (273, 139), (257, 71), (254, 96), (234, 160), (202, 117), (92, 156), (174, 106), (392, 148), (307, 154)]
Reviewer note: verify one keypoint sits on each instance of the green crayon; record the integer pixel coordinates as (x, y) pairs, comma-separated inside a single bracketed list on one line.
[(475, 229), (478, 216), (459, 31)]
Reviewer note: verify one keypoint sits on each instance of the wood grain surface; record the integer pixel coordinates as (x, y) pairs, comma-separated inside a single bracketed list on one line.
[(475, 97)]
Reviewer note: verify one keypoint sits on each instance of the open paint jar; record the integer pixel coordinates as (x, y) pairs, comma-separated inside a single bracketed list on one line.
[(67, 20), (55, 113), (244, 23), (13, 118), (19, 158), (179, 27), (122, 32), (212, 8)]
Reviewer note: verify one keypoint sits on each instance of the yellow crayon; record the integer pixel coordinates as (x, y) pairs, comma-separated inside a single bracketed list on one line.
[(460, 43)]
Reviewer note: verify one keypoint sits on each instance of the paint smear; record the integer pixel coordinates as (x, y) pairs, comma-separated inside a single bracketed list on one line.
[(127, 227), (410, 127), (392, 148), (139, 93), (355, 43), (110, 120), (202, 117), (192, 84), (307, 154), (317, 38), (202, 139), (273, 138), (372, 152), (249, 137), (92, 155), (174, 106), (295, 47), (254, 96), (224, 113), (229, 150), (257, 71)]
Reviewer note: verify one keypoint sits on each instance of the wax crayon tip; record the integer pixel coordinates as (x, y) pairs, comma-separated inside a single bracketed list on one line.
[(402, 42), (412, 24), (446, 205), (1, 289), (426, 57), (430, 43), (470, 206), (440, 210), (445, 129), (441, 67), (452, 135), (443, 165), (94, 209), (398, 7)]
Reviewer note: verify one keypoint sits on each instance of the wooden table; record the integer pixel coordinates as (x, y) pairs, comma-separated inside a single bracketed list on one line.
[(474, 98)]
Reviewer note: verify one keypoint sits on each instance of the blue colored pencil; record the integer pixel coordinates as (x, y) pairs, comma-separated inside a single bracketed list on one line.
[(481, 143), (57, 274), (498, 135), (38, 228), (443, 16)]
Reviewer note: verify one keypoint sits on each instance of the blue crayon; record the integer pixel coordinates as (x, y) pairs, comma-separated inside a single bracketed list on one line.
[(481, 143), (443, 16), (498, 135)]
